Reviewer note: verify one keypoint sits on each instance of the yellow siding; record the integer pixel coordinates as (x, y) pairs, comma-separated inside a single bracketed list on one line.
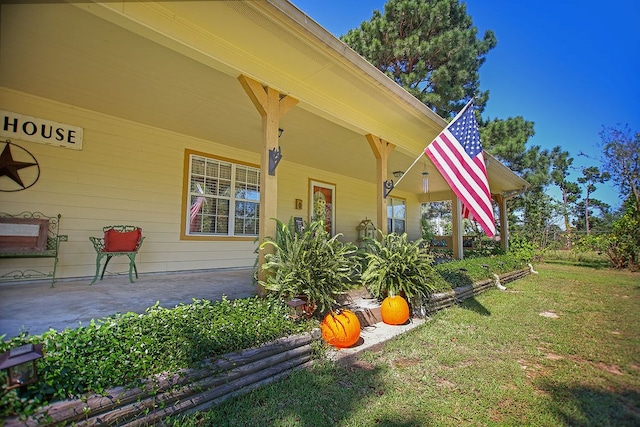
[(126, 173), (130, 173)]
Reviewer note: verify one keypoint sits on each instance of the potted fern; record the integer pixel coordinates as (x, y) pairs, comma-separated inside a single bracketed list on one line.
[(309, 264), (397, 271)]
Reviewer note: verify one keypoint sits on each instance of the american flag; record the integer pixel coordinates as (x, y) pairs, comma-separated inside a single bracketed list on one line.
[(457, 153), (195, 210)]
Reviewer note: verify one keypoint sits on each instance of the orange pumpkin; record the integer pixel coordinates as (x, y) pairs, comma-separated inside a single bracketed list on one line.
[(394, 310), (341, 330)]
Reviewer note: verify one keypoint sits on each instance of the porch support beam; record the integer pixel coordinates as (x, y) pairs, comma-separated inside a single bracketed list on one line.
[(272, 106), (504, 221), (381, 150), (456, 217)]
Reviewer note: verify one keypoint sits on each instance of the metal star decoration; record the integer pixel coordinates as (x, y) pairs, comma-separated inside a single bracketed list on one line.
[(10, 167)]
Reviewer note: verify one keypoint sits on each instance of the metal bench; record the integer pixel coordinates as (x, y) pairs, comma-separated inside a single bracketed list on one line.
[(118, 240), (30, 235)]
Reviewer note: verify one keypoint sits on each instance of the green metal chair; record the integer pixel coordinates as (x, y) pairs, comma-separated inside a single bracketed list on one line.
[(118, 240)]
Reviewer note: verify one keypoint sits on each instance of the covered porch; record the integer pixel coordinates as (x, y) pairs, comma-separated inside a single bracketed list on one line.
[(149, 80)]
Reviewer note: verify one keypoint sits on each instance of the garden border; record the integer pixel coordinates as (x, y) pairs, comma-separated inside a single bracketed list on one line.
[(221, 378)]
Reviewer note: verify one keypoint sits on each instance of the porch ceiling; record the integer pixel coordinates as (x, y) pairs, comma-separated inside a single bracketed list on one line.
[(174, 65)]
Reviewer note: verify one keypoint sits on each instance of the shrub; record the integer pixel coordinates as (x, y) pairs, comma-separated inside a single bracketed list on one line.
[(309, 263), (396, 266), (520, 247), (621, 245)]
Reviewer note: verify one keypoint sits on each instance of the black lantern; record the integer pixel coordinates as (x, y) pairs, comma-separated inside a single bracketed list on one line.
[(20, 363)]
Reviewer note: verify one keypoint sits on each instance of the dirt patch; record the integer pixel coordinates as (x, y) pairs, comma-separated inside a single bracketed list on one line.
[(444, 383), (361, 364), (405, 362), (612, 369), (552, 356), (532, 370), (549, 314)]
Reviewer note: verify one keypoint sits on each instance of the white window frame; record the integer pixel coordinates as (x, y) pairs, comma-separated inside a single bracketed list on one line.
[(396, 212), (216, 187)]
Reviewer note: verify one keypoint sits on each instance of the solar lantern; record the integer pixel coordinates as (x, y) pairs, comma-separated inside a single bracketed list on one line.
[(20, 363), (298, 306)]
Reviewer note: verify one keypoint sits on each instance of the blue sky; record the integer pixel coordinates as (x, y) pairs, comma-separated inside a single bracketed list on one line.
[(569, 66)]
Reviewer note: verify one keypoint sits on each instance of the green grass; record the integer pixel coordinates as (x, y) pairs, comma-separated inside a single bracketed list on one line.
[(584, 259), (494, 361)]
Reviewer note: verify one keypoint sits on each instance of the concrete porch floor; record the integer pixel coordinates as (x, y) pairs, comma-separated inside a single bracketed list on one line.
[(34, 307)]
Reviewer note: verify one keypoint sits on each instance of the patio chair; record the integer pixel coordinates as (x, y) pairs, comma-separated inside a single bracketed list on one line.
[(118, 240)]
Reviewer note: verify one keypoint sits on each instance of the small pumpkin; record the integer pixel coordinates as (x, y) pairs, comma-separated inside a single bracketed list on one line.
[(394, 310), (341, 329)]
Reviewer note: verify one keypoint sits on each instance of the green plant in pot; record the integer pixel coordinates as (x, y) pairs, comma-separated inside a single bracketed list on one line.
[(396, 267), (309, 264)]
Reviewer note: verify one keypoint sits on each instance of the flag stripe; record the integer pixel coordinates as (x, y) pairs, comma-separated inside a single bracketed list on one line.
[(195, 209), (466, 181), (457, 158), (460, 185), (451, 152)]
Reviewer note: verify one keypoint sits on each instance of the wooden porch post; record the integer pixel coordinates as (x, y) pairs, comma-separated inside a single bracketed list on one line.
[(381, 150), (504, 221), (456, 217), (272, 106)]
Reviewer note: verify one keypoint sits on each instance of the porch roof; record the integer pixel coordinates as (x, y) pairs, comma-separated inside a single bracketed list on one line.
[(174, 65)]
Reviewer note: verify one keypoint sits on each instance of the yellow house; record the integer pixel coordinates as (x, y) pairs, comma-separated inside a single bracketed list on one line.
[(166, 115)]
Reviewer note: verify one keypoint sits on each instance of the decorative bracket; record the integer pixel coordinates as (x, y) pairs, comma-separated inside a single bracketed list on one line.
[(388, 186), (275, 155)]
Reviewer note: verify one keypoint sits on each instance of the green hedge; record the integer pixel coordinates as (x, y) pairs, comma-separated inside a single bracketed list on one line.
[(122, 349)]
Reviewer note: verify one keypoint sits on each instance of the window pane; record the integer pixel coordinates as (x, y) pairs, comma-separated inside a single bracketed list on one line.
[(246, 218), (247, 183), (215, 187), (197, 165), (398, 226)]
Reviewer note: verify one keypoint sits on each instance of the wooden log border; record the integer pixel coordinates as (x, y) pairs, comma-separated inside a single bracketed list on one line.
[(442, 300), (185, 391), (218, 379)]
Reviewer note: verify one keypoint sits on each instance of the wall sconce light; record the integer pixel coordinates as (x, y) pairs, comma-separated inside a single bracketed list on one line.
[(20, 363), (398, 174), (275, 155), (425, 180)]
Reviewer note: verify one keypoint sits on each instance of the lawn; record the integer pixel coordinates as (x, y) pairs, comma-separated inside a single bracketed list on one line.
[(558, 348)]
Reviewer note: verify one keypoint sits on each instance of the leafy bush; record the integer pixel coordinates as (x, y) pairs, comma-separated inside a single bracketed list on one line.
[(309, 263), (622, 244), (122, 349), (396, 266), (520, 247)]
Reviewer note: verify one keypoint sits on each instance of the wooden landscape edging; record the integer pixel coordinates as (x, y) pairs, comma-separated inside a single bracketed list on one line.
[(221, 378), (186, 391), (446, 299)]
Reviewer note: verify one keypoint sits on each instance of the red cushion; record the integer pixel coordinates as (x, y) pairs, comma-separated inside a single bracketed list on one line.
[(115, 241)]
